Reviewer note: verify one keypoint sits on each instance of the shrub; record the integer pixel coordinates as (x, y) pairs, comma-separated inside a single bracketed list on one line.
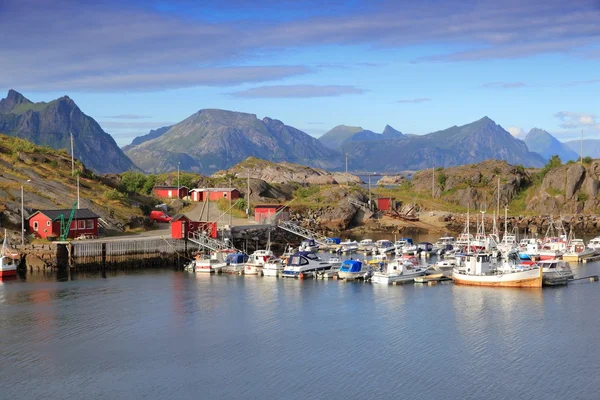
[(133, 181), (582, 197), (113, 195), (441, 178), (307, 191), (553, 162), (587, 160)]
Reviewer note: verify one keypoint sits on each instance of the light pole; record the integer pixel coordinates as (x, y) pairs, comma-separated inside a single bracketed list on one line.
[(230, 210), (23, 216), (178, 187), (248, 205)]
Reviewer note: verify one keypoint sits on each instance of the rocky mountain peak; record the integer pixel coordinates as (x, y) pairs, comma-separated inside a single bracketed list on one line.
[(12, 100), (391, 132)]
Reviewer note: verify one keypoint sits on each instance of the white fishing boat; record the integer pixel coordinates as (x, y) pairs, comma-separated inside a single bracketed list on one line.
[(354, 269), (577, 250), (8, 260), (509, 240), (235, 263), (349, 246), (477, 270), (399, 270), (399, 245), (445, 266), (444, 241), (304, 264)]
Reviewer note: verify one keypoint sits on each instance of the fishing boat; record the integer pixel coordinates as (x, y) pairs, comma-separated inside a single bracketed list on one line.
[(349, 246), (8, 260), (235, 263), (309, 245), (509, 240), (477, 270), (577, 251), (304, 264), (399, 270), (354, 269)]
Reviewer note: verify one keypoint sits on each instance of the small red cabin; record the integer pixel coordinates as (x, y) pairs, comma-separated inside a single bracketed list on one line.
[(386, 203), (182, 226), (214, 194), (45, 223), (170, 192), (271, 213)]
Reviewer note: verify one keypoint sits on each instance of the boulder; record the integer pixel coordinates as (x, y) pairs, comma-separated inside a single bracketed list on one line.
[(34, 261), (575, 175), (391, 180)]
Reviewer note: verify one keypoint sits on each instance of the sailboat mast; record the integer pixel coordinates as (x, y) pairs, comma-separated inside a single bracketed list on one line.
[(505, 220)]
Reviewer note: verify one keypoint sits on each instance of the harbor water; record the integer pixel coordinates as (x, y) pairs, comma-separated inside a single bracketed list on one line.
[(164, 334)]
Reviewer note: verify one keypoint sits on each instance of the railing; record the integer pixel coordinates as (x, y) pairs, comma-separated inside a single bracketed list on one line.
[(303, 232), (210, 243)]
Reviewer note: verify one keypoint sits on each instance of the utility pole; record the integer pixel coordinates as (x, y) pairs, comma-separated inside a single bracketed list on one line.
[(248, 204), (72, 157), (230, 210), (78, 191), (22, 219), (498, 204), (433, 181), (178, 187), (581, 149)]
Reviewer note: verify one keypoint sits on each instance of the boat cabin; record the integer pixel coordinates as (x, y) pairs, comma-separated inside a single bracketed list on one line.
[(333, 241), (351, 266), (236, 258), (425, 246), (302, 258), (477, 264)]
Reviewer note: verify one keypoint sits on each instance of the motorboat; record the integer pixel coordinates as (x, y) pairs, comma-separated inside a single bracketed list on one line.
[(349, 246), (378, 260), (594, 244), (424, 248), (384, 246), (207, 263), (256, 261), (399, 245), (477, 270), (304, 264), (445, 266), (8, 260), (354, 269), (235, 263), (366, 245), (330, 273), (556, 269), (443, 243), (309, 245), (399, 270), (273, 267)]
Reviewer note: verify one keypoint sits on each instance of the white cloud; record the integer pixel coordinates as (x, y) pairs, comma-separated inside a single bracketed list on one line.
[(572, 120), (517, 132), (298, 91)]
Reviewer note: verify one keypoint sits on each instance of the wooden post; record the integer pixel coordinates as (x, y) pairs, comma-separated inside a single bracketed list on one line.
[(103, 255)]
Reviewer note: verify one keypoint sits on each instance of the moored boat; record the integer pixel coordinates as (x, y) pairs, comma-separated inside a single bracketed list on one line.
[(399, 270), (8, 260), (354, 269), (235, 263), (273, 267), (304, 264), (349, 246), (309, 245), (477, 270), (555, 269), (207, 263)]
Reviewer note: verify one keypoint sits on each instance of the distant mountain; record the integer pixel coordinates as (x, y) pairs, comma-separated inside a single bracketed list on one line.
[(212, 140), (388, 133), (51, 124), (153, 134), (336, 136), (475, 142), (591, 147), (541, 142)]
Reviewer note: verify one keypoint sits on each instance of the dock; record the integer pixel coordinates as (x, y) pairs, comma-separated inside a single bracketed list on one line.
[(432, 278)]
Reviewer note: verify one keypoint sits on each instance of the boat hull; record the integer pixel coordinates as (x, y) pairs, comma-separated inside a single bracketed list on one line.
[(530, 278), (8, 272)]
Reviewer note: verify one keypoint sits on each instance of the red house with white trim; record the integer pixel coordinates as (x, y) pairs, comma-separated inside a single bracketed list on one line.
[(170, 192), (214, 194), (45, 223), (271, 213), (182, 226)]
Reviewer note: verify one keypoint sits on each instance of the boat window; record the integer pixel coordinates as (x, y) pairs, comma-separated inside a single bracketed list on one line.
[(303, 261)]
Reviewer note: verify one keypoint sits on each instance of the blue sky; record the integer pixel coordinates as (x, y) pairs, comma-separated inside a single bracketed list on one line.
[(417, 66)]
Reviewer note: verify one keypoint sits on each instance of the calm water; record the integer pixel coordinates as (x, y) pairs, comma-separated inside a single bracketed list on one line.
[(173, 335)]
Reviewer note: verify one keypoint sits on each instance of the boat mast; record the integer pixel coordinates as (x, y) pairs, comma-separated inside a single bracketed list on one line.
[(505, 220)]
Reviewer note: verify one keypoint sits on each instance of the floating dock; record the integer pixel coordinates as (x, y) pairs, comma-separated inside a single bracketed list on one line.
[(432, 278)]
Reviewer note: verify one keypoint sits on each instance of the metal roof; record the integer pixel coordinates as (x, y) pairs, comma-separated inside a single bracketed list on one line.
[(168, 187), (83, 213), (180, 216), (213, 190)]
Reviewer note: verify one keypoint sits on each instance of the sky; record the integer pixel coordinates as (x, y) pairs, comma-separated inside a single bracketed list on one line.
[(419, 66)]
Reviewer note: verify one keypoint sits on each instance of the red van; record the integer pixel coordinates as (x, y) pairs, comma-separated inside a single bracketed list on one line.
[(159, 216)]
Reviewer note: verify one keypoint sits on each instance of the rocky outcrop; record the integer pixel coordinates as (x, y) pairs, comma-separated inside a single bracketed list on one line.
[(568, 189), (391, 180)]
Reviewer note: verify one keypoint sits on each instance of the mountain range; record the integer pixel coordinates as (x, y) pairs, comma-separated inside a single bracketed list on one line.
[(211, 140), (591, 147), (546, 145), (51, 124)]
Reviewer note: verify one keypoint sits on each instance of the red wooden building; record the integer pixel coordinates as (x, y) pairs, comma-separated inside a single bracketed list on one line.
[(214, 194), (182, 226), (386, 203), (170, 192), (45, 223), (271, 213)]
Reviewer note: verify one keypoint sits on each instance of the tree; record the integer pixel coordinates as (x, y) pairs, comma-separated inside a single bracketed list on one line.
[(133, 181)]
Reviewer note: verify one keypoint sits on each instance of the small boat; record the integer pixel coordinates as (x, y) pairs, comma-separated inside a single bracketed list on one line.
[(8, 260), (594, 244), (384, 246), (273, 267), (399, 270), (445, 266), (330, 273), (354, 269), (349, 246), (207, 264), (401, 244), (424, 248), (304, 264), (309, 245), (576, 250), (477, 270), (556, 269), (235, 263), (257, 261), (378, 260), (366, 245), (443, 243)]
